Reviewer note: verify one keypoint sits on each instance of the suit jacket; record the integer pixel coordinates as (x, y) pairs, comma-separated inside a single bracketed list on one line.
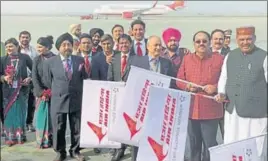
[(99, 67), (98, 50), (37, 74), (114, 70), (132, 50), (66, 94), (143, 62)]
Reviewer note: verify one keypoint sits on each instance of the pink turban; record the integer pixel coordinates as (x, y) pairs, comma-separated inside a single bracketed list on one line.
[(171, 32)]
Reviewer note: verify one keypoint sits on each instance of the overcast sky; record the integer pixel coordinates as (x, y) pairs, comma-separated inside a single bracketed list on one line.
[(78, 7)]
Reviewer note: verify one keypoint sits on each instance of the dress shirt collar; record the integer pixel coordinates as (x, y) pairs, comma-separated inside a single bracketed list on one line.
[(142, 42), (151, 58), (219, 51), (63, 59), (89, 55)]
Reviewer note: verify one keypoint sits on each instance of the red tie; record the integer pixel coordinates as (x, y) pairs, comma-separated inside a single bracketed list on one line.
[(139, 51), (123, 64), (87, 64), (94, 49)]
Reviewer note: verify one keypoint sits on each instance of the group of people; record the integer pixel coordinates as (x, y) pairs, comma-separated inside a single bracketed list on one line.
[(237, 79)]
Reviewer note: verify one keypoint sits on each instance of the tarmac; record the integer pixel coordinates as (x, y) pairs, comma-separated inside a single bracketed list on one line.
[(29, 152)]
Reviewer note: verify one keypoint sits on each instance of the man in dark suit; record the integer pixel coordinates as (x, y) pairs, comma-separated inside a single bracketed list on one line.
[(139, 43), (100, 66), (119, 61), (217, 42), (64, 74), (116, 71), (152, 62)]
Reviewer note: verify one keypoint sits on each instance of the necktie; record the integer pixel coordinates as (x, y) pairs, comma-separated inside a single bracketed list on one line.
[(94, 49), (139, 51), (123, 64), (87, 64), (154, 65), (68, 69)]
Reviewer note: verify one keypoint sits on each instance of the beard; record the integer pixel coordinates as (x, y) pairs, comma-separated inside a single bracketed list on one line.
[(96, 43), (173, 48)]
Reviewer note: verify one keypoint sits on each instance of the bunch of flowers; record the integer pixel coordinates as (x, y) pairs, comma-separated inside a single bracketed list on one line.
[(47, 93), (10, 70)]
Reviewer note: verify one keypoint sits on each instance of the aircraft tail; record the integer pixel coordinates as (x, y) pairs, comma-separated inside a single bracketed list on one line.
[(176, 4), (155, 3)]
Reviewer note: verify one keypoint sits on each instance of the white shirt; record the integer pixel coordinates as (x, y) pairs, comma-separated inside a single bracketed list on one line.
[(219, 51), (30, 51), (122, 54), (142, 45), (63, 62), (89, 56), (115, 46), (223, 77)]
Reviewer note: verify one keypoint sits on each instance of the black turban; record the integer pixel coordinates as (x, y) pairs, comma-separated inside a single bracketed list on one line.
[(63, 37), (85, 36), (93, 31)]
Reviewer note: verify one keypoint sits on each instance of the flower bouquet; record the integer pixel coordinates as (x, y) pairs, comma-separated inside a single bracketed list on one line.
[(10, 71), (46, 94)]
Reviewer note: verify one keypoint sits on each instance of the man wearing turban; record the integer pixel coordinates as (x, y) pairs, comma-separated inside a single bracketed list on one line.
[(243, 81), (64, 75), (96, 34), (75, 31), (173, 52)]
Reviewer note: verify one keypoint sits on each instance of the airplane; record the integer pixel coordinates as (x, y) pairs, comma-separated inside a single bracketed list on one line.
[(130, 11)]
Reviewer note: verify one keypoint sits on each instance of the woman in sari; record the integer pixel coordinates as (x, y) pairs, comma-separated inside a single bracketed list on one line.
[(42, 94), (15, 81)]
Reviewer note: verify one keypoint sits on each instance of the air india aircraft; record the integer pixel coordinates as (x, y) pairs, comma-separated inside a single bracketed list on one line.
[(130, 11)]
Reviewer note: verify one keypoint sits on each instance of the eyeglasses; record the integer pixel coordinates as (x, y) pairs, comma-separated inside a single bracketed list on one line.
[(199, 41)]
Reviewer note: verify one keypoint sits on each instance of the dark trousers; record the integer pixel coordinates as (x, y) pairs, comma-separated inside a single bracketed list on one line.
[(31, 108), (202, 132), (221, 124), (134, 153), (59, 121)]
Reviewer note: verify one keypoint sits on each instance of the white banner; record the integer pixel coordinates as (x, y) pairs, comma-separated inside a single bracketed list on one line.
[(132, 109), (99, 103), (243, 150), (165, 132)]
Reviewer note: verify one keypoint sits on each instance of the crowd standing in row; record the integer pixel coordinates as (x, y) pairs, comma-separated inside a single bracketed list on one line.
[(56, 80)]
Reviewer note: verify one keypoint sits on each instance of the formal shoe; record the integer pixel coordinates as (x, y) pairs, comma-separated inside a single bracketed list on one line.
[(97, 150), (78, 156), (118, 155), (60, 157)]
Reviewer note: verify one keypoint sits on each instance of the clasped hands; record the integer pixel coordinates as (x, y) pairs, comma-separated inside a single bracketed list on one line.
[(209, 89)]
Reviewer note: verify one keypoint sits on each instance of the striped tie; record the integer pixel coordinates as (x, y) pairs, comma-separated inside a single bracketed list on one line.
[(68, 69)]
